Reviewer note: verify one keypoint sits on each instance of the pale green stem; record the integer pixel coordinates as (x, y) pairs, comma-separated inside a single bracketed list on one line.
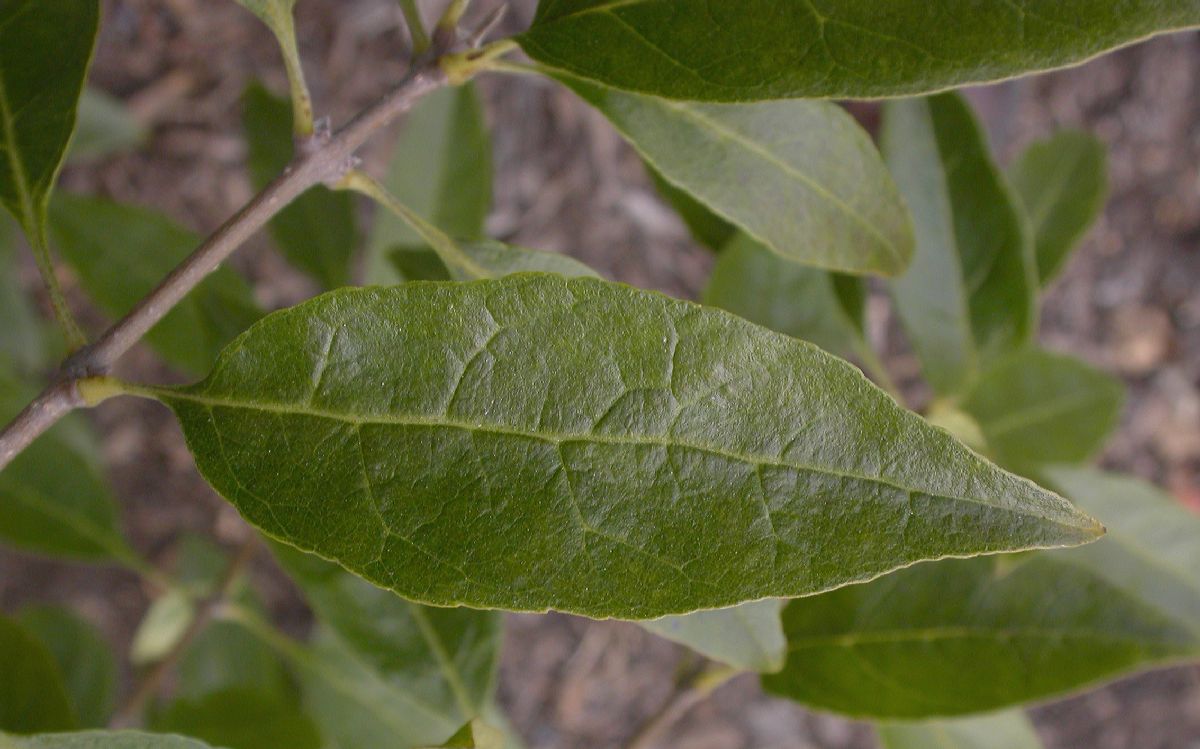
[(58, 301), (453, 15), (416, 27), (445, 247), (302, 107)]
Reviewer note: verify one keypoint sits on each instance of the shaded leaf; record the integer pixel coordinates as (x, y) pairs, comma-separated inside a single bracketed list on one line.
[(33, 697), (474, 735), (755, 283), (765, 49), (241, 719), (102, 740), (1008, 730), (497, 258), (965, 636), (84, 659), (22, 347), (970, 294), (121, 252), (317, 231), (162, 627), (1039, 407), (749, 636), (1062, 183), (579, 425), (706, 227), (441, 167), (105, 126), (800, 176)]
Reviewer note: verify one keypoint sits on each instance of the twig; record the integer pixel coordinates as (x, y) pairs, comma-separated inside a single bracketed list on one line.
[(324, 160), (127, 715), (691, 691)]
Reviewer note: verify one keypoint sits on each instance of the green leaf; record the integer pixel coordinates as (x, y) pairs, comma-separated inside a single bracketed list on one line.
[(100, 740), (474, 735), (53, 497), (241, 719), (45, 50), (317, 231), (496, 258), (966, 636), (442, 659), (32, 695), (441, 167), (162, 627), (1008, 730), (755, 283), (749, 636), (121, 252), (767, 49), (1039, 407), (1062, 183), (706, 227), (22, 344), (800, 176), (496, 444), (970, 295), (84, 659), (105, 126), (1152, 551)]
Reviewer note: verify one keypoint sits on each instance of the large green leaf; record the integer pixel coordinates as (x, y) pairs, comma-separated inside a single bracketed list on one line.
[(800, 176), (755, 283), (441, 167), (538, 442), (743, 50), (749, 636), (53, 499), (965, 636), (1039, 407), (32, 695), (1007, 730), (84, 659), (316, 231), (121, 252), (706, 227), (22, 347), (105, 126), (240, 718), (1153, 549), (443, 658), (100, 740), (970, 294), (1062, 182), (45, 49)]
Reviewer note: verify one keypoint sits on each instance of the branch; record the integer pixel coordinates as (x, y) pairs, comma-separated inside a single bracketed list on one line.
[(323, 159)]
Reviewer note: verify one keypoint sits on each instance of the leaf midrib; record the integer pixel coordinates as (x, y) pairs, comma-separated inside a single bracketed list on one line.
[(560, 438)]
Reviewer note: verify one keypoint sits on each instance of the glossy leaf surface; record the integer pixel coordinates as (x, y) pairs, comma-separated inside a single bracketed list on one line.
[(1040, 407), (970, 294), (1062, 182), (317, 231), (33, 698), (121, 252), (800, 176), (240, 718), (45, 48), (571, 426), (441, 167), (745, 50), (1008, 730), (84, 659), (100, 740), (964, 636), (749, 636)]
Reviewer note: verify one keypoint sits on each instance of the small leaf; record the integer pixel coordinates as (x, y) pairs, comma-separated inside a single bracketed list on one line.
[(1062, 183), (706, 227), (53, 498), (105, 126), (33, 697), (578, 425), (475, 735), (1008, 730), (441, 167), (970, 295), (749, 636), (45, 50), (317, 231), (800, 176), (754, 283), (1039, 407), (241, 719), (497, 258), (966, 636), (121, 252), (84, 659), (162, 627), (101, 740), (22, 344), (765, 49)]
